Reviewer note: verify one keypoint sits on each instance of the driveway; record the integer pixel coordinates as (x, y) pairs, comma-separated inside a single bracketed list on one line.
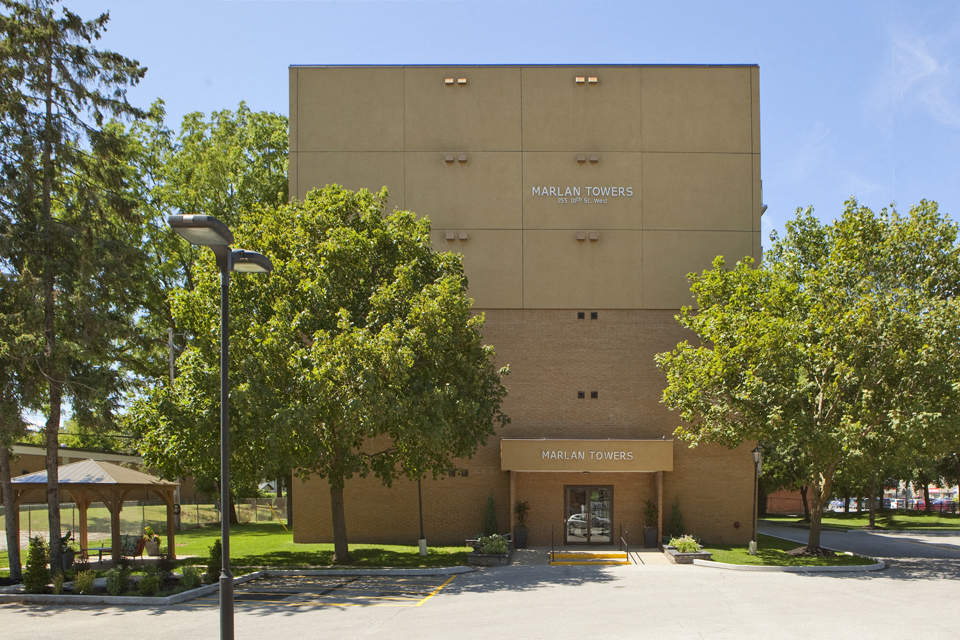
[(665, 602)]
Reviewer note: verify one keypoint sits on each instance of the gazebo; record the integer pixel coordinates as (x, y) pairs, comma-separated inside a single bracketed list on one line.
[(89, 480)]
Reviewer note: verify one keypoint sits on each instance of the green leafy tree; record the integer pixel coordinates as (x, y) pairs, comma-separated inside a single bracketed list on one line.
[(225, 165), (357, 355), (845, 336), (69, 224)]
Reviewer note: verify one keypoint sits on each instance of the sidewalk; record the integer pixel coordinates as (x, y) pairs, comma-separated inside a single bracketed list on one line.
[(533, 556)]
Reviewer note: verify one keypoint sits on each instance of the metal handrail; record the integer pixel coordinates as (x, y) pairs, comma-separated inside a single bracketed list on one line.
[(551, 543), (624, 545)]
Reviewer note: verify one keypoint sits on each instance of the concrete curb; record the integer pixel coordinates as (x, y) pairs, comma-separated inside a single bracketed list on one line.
[(43, 598), (752, 567), (439, 571)]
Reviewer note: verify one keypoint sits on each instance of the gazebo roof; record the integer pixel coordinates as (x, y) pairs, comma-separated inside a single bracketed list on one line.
[(95, 472)]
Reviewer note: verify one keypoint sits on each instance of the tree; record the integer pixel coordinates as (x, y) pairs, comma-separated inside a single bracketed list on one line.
[(19, 340), (845, 337), (222, 166), (357, 355), (69, 224)]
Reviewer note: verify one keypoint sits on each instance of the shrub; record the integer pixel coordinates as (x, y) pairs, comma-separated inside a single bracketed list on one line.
[(83, 583), (165, 563), (521, 509), (191, 577), (676, 520), (685, 544), (116, 582), (58, 583), (650, 513), (490, 518), (214, 561), (493, 545), (149, 585), (36, 575)]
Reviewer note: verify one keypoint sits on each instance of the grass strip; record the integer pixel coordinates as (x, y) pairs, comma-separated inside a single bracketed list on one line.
[(901, 520), (268, 545), (771, 552)]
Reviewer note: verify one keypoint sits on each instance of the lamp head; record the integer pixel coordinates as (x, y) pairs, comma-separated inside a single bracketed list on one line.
[(250, 262), (205, 231)]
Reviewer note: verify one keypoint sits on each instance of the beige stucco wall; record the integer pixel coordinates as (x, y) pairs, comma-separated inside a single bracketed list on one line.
[(685, 140), (682, 146)]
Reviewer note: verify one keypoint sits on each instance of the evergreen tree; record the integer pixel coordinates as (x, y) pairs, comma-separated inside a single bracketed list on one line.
[(69, 226)]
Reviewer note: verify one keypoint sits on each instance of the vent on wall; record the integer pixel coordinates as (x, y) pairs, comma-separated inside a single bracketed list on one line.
[(581, 394), (594, 395), (593, 315), (580, 315)]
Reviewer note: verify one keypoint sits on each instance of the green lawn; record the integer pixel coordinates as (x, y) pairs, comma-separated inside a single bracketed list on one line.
[(268, 545), (901, 520), (771, 552)]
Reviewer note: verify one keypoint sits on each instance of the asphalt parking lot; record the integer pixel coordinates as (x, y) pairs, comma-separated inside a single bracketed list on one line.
[(330, 591), (663, 602)]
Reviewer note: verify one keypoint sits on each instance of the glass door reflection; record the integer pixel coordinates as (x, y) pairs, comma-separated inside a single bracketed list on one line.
[(588, 514), (576, 515)]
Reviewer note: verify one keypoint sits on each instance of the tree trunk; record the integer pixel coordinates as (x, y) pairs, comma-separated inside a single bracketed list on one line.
[(233, 512), (873, 504), (806, 504), (341, 552), (53, 478), (821, 493), (13, 536), (290, 500), (926, 497), (846, 502), (49, 331)]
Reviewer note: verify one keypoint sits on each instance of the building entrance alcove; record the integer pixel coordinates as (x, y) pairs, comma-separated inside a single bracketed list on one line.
[(588, 514)]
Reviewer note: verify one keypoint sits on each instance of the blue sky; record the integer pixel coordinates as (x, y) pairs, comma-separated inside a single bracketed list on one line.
[(857, 97)]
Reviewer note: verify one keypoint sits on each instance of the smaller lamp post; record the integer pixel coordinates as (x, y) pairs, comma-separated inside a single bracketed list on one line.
[(757, 462), (207, 231)]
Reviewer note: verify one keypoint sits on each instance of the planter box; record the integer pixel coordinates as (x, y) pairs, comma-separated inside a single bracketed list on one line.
[(676, 557), (488, 560)]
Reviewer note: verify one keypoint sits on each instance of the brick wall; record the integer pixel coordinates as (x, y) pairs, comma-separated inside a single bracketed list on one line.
[(552, 356)]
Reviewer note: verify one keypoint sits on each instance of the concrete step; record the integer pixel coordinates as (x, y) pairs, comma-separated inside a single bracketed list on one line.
[(590, 558)]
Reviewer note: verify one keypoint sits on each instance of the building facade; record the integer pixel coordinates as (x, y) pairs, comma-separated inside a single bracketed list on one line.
[(580, 197)]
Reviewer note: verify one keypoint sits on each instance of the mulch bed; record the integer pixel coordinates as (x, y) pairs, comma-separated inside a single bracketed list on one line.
[(810, 552)]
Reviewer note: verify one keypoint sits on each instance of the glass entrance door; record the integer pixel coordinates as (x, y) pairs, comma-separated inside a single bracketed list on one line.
[(588, 514)]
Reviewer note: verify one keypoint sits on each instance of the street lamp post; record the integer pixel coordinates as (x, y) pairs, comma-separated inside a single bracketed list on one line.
[(207, 231), (757, 461)]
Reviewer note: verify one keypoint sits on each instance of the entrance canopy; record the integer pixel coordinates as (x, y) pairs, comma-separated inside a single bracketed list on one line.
[(90, 480), (525, 454)]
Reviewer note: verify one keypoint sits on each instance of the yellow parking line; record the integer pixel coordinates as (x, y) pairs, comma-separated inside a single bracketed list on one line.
[(436, 591), (341, 593)]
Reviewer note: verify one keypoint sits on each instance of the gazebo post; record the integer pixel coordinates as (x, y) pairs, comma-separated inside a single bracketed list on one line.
[(82, 499), (115, 505), (169, 500)]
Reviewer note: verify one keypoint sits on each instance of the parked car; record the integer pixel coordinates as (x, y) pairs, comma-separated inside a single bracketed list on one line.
[(577, 525), (944, 505)]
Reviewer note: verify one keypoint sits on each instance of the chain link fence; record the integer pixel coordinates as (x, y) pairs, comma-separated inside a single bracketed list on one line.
[(135, 516)]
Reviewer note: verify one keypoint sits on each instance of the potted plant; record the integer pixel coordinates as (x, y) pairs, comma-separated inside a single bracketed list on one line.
[(520, 531), (152, 545), (650, 513), (493, 551), (69, 550), (685, 549)]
